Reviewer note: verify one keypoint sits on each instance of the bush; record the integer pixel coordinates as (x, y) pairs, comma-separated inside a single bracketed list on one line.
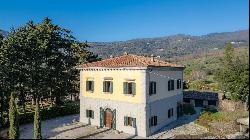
[(51, 113), (188, 109)]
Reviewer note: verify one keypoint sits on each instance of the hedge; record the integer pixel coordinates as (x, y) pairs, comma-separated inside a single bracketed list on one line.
[(47, 113)]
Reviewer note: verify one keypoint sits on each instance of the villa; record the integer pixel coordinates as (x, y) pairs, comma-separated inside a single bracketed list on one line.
[(130, 93)]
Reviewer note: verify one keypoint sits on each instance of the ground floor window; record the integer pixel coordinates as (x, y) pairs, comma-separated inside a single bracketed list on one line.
[(153, 121), (90, 114), (129, 121), (170, 112)]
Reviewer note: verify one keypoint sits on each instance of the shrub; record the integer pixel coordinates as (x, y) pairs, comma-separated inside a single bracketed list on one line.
[(188, 109)]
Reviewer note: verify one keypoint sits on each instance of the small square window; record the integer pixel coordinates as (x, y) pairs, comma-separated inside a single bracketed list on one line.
[(90, 114)]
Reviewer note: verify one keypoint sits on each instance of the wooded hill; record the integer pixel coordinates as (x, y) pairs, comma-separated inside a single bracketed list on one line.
[(175, 45)]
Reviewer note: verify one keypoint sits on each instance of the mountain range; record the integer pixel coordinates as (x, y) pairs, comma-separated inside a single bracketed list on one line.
[(4, 33), (169, 46)]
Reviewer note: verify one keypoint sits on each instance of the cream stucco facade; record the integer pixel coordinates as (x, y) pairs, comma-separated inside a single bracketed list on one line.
[(141, 106)]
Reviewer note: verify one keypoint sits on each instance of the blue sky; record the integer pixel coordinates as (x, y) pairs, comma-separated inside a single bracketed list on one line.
[(112, 20)]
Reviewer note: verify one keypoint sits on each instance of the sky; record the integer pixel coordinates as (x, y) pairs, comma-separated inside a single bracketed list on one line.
[(117, 20)]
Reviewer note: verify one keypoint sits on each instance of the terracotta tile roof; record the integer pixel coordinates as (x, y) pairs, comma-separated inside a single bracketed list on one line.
[(129, 60)]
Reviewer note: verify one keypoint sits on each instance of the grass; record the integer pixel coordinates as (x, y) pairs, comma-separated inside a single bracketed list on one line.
[(220, 117)]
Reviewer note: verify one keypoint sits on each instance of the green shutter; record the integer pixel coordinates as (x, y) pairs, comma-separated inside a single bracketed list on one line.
[(87, 113), (134, 122), (104, 90), (101, 117), (125, 87), (87, 85), (92, 112), (154, 87), (133, 88), (92, 87), (150, 88), (168, 85), (125, 121), (114, 119), (111, 87)]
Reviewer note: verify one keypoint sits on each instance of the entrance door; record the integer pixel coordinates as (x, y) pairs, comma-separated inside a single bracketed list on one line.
[(108, 118)]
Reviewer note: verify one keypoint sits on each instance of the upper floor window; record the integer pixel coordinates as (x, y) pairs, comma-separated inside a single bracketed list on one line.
[(179, 83), (129, 88), (170, 85), (129, 121), (170, 112), (153, 121), (90, 114), (108, 86), (152, 88), (89, 85)]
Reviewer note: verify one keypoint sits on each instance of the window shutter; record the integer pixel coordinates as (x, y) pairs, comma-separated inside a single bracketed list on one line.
[(134, 122), (155, 123), (111, 87), (92, 114), (133, 88), (101, 117), (168, 85), (114, 119), (150, 88), (87, 113), (149, 122), (125, 87), (87, 85), (168, 113), (172, 84), (154, 87), (104, 85), (92, 87), (125, 121)]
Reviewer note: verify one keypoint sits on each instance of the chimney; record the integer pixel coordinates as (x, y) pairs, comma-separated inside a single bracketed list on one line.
[(152, 58), (125, 53), (111, 56)]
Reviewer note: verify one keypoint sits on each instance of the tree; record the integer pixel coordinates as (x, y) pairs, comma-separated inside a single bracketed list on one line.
[(13, 118), (40, 59), (37, 122), (233, 75)]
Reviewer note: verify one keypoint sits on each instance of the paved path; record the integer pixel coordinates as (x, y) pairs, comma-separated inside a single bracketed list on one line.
[(68, 127), (183, 126)]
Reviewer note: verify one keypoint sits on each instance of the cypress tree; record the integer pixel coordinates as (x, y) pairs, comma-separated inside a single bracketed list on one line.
[(37, 122), (13, 119)]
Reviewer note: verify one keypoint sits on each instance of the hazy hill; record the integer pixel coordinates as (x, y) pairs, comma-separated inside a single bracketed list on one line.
[(174, 45), (4, 33)]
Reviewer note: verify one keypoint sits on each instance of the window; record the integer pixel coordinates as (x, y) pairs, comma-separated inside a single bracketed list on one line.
[(179, 83), (89, 85), (90, 114), (153, 121), (108, 86), (170, 112), (170, 85), (129, 88), (129, 121), (152, 88)]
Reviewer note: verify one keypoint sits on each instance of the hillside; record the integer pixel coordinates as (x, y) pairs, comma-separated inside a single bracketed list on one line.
[(4, 33), (201, 68), (175, 45)]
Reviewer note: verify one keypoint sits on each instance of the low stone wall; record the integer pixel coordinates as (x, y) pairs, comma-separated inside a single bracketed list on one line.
[(229, 105)]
